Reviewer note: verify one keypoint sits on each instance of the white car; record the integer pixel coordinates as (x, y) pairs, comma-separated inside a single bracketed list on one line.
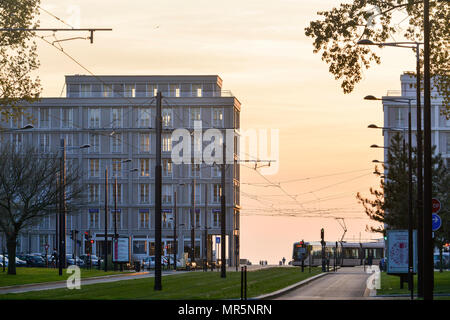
[(149, 262), (1, 260)]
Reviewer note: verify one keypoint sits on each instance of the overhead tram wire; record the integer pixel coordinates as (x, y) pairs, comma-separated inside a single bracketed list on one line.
[(57, 18), (314, 177)]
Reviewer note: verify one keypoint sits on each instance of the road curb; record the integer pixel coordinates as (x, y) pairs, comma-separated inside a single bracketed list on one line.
[(291, 287)]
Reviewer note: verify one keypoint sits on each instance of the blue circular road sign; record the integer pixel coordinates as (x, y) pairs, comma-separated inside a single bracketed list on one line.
[(436, 222)]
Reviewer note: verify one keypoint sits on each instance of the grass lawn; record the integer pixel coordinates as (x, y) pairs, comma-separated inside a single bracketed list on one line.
[(189, 286), (38, 275), (391, 284)]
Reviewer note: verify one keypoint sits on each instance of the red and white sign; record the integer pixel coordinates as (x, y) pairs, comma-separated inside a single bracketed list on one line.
[(436, 205)]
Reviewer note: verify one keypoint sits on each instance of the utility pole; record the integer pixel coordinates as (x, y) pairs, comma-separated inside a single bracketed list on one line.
[(158, 193), (205, 244), (193, 221), (419, 180), (175, 230), (105, 245), (410, 213), (322, 242), (223, 213), (115, 220), (62, 209), (428, 268)]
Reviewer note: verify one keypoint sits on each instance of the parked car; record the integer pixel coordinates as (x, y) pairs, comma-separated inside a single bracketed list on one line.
[(34, 261), (149, 262), (6, 260), (71, 261), (93, 259), (169, 262), (20, 262)]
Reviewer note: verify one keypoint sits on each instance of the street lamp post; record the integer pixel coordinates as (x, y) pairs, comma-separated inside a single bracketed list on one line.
[(116, 235), (420, 192), (410, 198), (62, 204)]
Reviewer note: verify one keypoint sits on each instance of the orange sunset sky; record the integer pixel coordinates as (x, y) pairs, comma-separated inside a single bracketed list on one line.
[(260, 51)]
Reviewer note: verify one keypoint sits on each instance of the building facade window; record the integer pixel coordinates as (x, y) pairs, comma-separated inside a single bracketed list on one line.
[(216, 192), (44, 142), (174, 90), (167, 219), (215, 218), (217, 117), (144, 117), (94, 118), (107, 90), (166, 142), (66, 117), (167, 168), (117, 117), (167, 194), (113, 193), (144, 142), (94, 221), (198, 193), (17, 141), (166, 115), (94, 168), (216, 171), (145, 167), (196, 90), (130, 90), (86, 91), (44, 117), (144, 193), (194, 115), (116, 143), (117, 167), (144, 219), (151, 90), (94, 141), (118, 216), (68, 139), (93, 193), (196, 170)]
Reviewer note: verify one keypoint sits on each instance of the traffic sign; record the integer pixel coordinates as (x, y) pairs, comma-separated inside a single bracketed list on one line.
[(436, 221), (436, 205), (217, 240)]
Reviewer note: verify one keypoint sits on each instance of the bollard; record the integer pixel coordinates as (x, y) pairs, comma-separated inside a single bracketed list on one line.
[(242, 283), (245, 282)]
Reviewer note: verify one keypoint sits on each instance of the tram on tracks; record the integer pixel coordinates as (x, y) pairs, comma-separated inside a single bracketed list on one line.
[(344, 254)]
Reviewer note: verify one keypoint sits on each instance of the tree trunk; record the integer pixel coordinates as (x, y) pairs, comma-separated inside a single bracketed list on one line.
[(11, 244)]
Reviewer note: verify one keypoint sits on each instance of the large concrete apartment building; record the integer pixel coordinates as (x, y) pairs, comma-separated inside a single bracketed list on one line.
[(115, 115), (396, 116)]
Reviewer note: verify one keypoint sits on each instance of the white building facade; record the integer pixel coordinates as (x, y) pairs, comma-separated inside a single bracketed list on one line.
[(115, 115), (396, 116)]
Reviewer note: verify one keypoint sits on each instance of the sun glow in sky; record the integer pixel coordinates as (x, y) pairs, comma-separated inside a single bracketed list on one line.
[(260, 51)]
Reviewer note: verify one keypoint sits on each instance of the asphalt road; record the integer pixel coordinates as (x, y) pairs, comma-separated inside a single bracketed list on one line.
[(346, 284)]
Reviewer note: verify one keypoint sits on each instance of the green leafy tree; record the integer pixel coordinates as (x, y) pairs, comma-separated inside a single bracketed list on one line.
[(389, 204), (338, 30), (18, 57)]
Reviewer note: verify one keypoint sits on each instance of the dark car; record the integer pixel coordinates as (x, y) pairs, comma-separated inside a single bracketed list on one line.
[(34, 261), (93, 260)]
